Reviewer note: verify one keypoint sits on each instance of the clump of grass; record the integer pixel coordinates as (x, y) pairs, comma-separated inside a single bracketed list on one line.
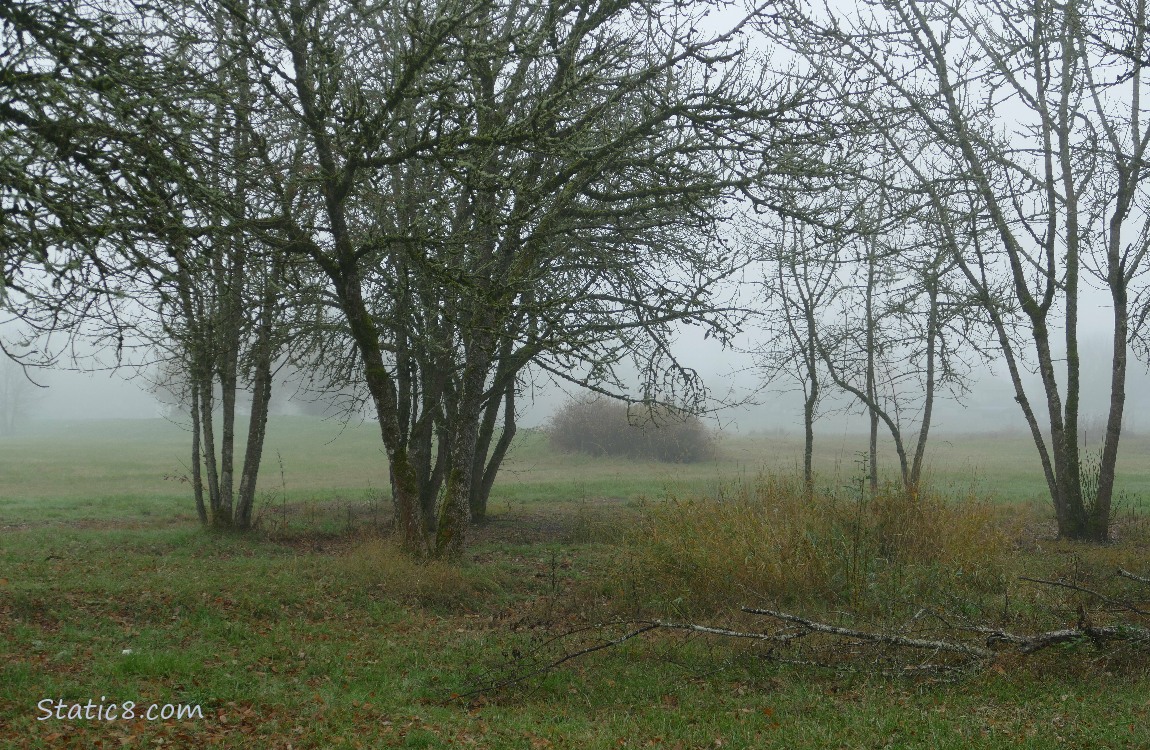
[(435, 584), (1130, 520), (767, 541)]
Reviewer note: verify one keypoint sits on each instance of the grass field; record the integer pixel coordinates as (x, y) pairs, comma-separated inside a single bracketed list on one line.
[(315, 633), (132, 468)]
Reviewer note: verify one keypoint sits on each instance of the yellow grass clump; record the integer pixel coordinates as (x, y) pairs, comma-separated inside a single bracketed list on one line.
[(767, 541), (437, 584)]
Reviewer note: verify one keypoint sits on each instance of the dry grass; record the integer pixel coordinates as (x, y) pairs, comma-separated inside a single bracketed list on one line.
[(765, 540), (379, 565)]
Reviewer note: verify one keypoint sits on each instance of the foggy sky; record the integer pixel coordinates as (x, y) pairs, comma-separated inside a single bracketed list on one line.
[(729, 377)]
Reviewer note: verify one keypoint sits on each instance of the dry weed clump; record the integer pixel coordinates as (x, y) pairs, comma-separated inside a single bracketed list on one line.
[(435, 584), (602, 427), (766, 541)]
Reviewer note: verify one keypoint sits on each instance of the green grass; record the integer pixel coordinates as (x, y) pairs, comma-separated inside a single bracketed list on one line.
[(278, 645), (135, 468), (321, 637)]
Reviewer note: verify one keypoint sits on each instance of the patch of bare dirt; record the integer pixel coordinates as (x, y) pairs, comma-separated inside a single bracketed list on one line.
[(565, 524), (330, 527)]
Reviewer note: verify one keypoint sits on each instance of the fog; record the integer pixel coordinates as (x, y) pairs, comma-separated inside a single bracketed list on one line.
[(739, 402), (92, 395), (85, 386)]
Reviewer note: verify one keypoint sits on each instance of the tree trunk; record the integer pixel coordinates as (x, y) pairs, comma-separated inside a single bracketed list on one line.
[(1068, 507), (225, 517), (197, 469), (1072, 458), (485, 474), (208, 431), (871, 379), (409, 517), (258, 419), (429, 455), (405, 479), (253, 452), (1101, 507), (809, 404), (455, 512), (928, 398), (428, 468), (1103, 503)]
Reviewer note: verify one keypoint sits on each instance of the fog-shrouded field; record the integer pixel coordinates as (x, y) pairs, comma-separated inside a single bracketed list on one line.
[(704, 268), (139, 467)]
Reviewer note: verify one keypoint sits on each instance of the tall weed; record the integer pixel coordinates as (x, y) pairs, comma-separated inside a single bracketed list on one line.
[(764, 541)]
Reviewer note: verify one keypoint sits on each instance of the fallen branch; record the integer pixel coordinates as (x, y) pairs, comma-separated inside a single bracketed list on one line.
[(1132, 577), (1027, 644), (863, 635), (777, 637), (640, 627), (1097, 634), (1030, 644), (994, 637)]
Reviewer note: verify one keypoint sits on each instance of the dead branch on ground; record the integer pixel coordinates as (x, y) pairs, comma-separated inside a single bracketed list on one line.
[(994, 640)]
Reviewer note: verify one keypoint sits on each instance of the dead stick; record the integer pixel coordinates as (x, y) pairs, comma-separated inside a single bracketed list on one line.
[(1132, 577), (514, 679), (779, 637), (893, 640), (1084, 590)]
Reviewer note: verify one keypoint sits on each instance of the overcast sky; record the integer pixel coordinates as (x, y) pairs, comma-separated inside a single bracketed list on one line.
[(729, 376)]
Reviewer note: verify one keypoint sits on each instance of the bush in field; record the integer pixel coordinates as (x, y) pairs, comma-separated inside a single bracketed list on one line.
[(602, 427), (765, 541)]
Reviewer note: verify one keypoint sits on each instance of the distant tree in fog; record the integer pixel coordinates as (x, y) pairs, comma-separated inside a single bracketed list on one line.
[(18, 394), (800, 283)]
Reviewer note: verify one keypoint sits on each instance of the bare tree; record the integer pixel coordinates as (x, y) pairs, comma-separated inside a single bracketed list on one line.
[(477, 188), (802, 285), (124, 211), (87, 152), (1030, 136), (491, 186), (205, 292), (863, 303), (899, 341)]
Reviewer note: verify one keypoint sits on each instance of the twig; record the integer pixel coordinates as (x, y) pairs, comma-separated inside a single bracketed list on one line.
[(517, 678), (1084, 590), (777, 637)]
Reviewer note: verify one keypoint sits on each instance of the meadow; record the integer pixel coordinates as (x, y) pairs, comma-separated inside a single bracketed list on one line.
[(316, 633)]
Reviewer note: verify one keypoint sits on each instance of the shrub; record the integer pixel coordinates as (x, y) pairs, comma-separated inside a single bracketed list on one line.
[(602, 427), (765, 541)]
